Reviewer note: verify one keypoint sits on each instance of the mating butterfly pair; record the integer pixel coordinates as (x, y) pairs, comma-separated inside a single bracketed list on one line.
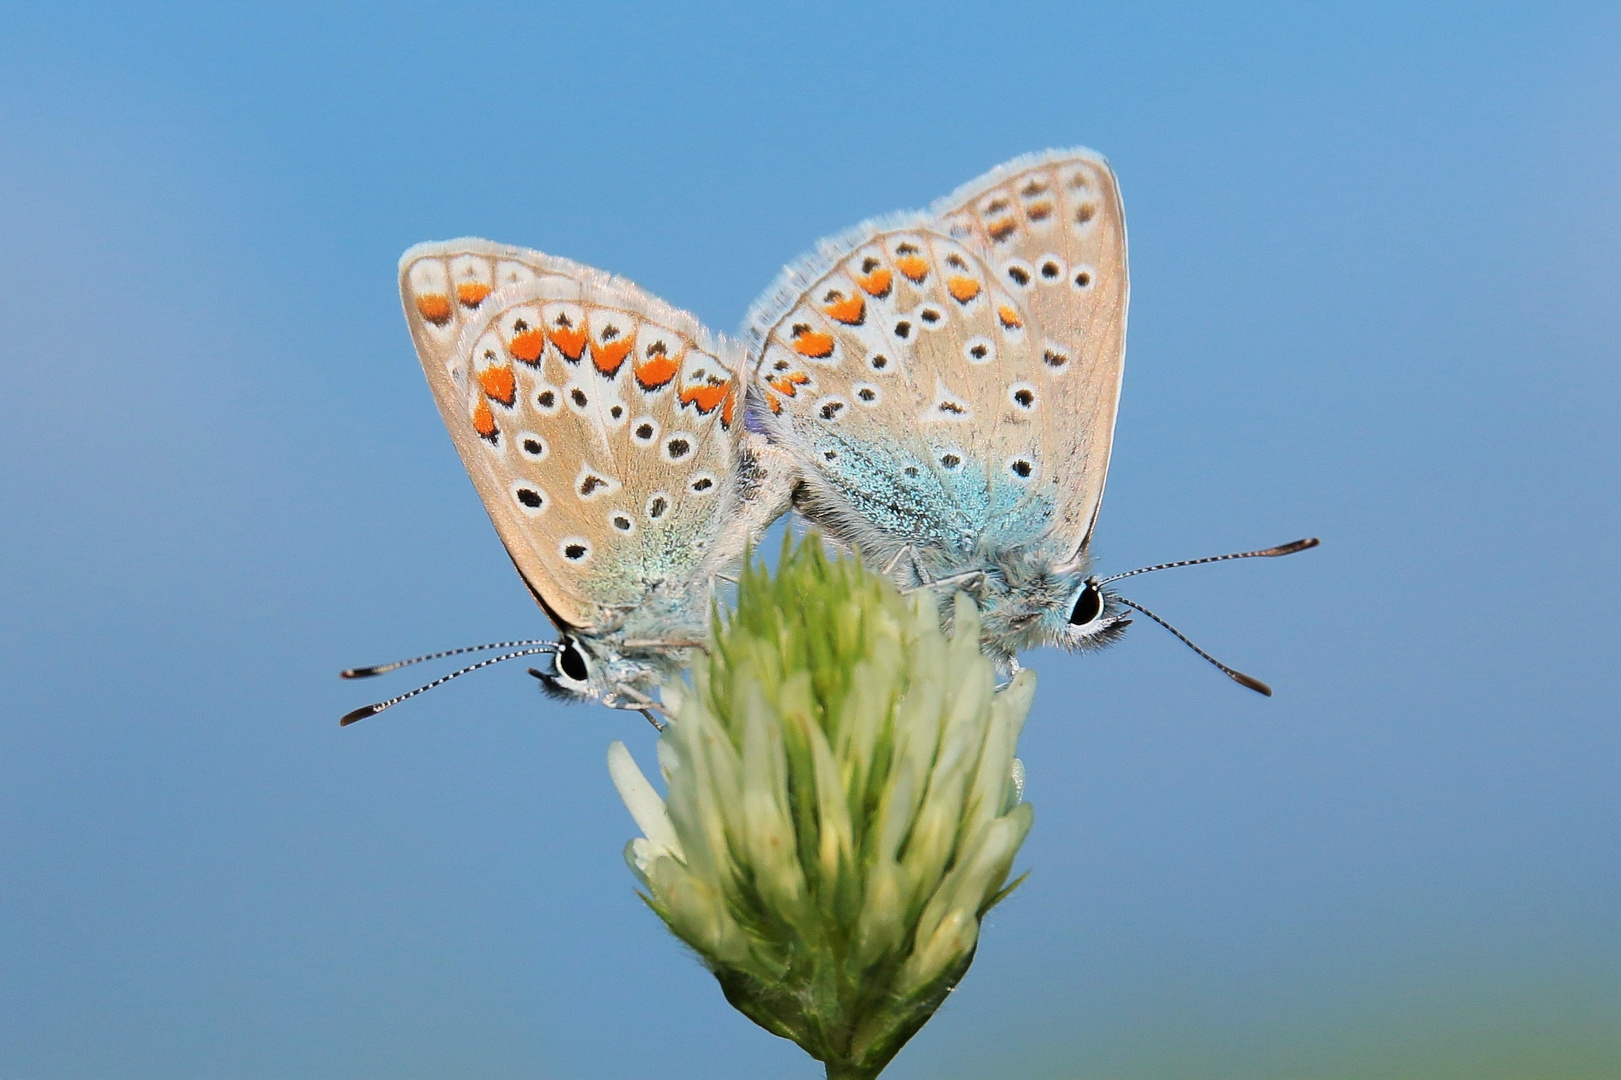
[(936, 390)]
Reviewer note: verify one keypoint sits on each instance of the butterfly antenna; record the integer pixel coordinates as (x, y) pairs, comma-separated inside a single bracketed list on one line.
[(1265, 553), (373, 710), (1237, 676), (368, 672)]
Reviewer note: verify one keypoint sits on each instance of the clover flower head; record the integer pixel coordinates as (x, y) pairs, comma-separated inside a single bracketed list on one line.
[(843, 806)]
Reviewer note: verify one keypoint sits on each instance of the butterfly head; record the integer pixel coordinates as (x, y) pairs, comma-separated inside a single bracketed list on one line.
[(1094, 620), (1027, 607), (575, 672), (604, 670)]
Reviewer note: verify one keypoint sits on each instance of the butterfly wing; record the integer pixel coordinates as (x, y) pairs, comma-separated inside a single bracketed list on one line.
[(904, 380), (600, 426), (1053, 229), (948, 381)]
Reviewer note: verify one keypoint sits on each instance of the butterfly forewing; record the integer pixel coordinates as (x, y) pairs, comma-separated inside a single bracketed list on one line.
[(599, 425), (1052, 228)]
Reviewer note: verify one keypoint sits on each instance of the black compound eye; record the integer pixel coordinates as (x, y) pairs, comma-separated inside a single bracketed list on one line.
[(1088, 606), (572, 663)]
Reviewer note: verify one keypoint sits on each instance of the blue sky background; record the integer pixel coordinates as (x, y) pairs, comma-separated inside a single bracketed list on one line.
[(1376, 258)]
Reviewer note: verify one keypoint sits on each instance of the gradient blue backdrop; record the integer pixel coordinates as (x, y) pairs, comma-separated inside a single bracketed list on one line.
[(1376, 259)]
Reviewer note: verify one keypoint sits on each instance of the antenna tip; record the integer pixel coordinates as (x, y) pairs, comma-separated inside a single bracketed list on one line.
[(1298, 545), (360, 714), (359, 672), (1251, 683)]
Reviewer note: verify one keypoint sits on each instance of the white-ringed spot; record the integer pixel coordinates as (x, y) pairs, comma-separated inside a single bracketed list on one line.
[(622, 522), (679, 446), (591, 484), (947, 407), (1082, 278), (1022, 396), (867, 394), (547, 399), (575, 549), (1050, 268), (701, 484), (644, 431), (1018, 273), (1022, 468), (979, 350), (831, 409), (533, 446), (531, 498)]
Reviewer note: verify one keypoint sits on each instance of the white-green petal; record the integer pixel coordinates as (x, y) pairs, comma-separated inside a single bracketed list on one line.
[(641, 800)]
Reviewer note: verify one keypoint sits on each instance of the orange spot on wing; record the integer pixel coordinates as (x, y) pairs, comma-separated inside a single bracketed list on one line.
[(499, 384), (786, 384), (1009, 317), (962, 289), (814, 344), (569, 341), (876, 283), (915, 267), (435, 307), (472, 293), (608, 357), (728, 405), (1001, 230), (776, 406), (527, 346), (707, 397), (850, 312), (656, 373), (484, 421)]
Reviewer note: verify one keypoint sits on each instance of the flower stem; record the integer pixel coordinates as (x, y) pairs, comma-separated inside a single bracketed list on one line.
[(840, 1071)]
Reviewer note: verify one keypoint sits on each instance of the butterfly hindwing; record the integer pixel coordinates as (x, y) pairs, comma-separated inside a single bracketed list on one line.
[(600, 426), (948, 381), (902, 377)]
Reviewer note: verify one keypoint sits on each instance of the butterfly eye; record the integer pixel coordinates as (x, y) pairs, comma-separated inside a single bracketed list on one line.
[(571, 664), (1088, 606)]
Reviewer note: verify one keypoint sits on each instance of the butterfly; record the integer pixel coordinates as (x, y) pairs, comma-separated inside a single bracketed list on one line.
[(936, 390), (945, 387), (604, 432)]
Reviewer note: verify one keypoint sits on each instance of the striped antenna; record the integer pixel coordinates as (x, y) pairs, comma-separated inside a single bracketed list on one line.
[(368, 672), (373, 710), (1238, 677), (1265, 553)]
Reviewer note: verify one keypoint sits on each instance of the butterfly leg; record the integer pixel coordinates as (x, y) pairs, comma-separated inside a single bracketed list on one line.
[(637, 702), (665, 643), (953, 579), (906, 550)]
